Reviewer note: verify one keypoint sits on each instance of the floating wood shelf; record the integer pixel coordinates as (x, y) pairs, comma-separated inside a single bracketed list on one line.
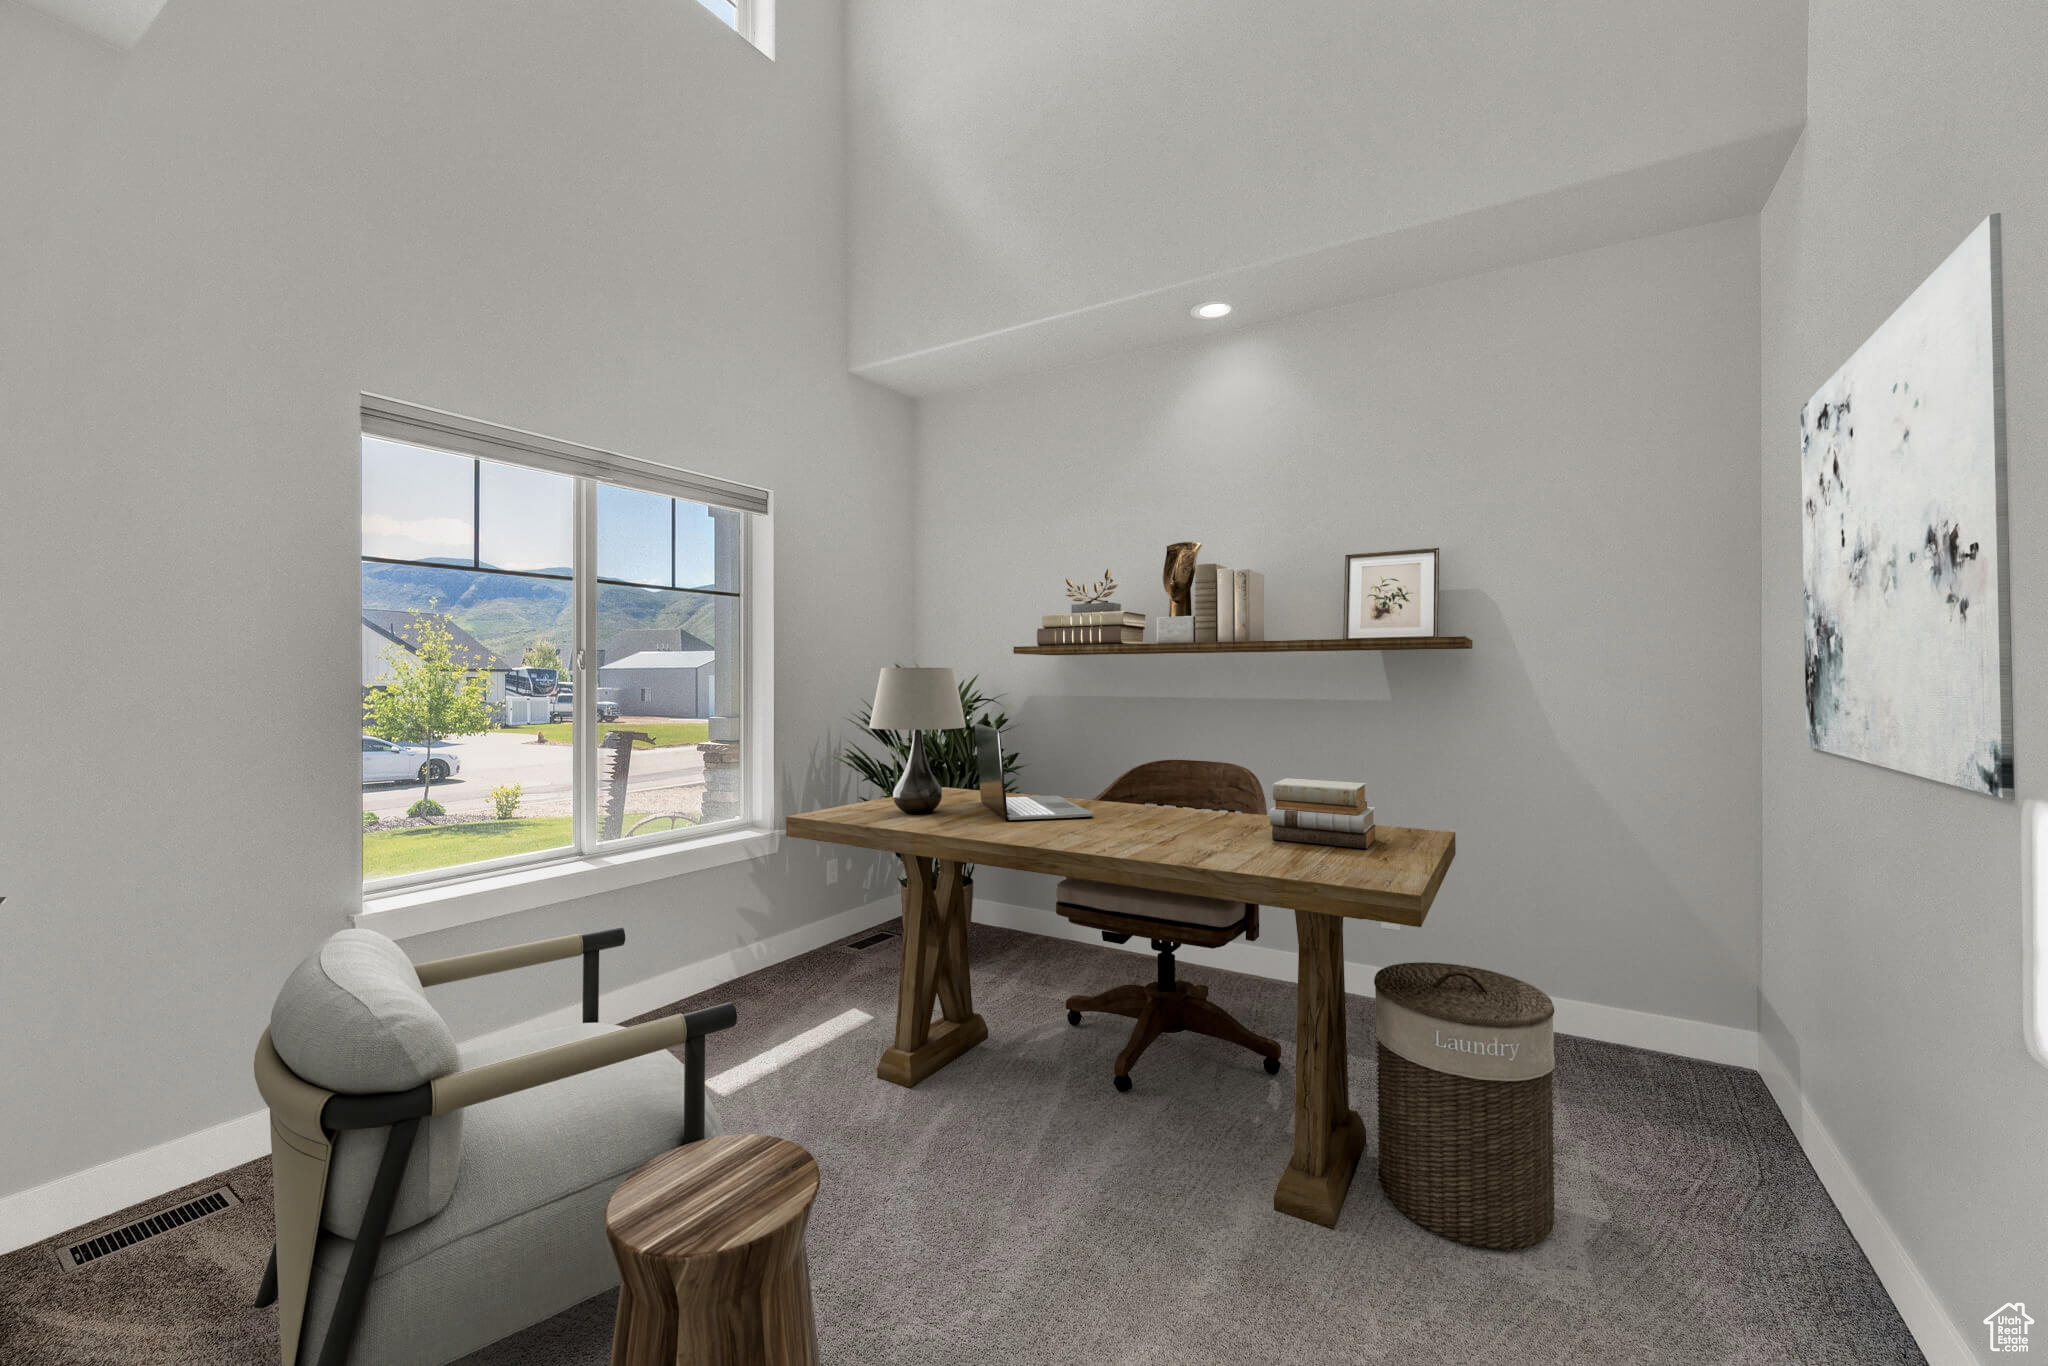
[(1212, 647)]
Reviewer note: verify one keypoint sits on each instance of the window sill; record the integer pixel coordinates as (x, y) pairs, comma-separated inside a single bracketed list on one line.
[(422, 910)]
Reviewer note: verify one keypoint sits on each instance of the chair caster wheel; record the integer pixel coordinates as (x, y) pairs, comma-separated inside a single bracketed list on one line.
[(1272, 1067), (1073, 1017), (1123, 1083)]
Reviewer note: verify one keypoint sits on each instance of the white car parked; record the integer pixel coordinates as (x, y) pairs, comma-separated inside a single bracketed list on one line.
[(385, 762)]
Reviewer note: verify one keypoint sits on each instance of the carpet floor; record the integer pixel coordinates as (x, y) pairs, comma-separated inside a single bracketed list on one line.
[(1015, 1208)]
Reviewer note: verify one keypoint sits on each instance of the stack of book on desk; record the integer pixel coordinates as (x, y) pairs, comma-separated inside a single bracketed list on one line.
[(1321, 811), (1091, 628)]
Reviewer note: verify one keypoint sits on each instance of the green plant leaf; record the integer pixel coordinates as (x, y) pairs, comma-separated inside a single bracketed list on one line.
[(952, 755)]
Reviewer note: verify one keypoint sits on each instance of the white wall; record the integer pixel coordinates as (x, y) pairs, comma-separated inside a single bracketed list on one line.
[(618, 228), (1014, 164), (1891, 918), (54, 80), (1574, 435)]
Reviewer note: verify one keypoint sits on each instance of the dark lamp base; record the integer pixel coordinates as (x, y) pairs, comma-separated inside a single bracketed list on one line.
[(917, 791)]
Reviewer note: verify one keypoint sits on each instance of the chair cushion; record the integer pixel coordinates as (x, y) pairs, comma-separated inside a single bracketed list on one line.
[(463, 1296), (552, 1140), (523, 1238), (1152, 905), (352, 1018)]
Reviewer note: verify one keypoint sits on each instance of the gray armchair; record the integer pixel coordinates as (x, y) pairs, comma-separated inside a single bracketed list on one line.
[(415, 1222)]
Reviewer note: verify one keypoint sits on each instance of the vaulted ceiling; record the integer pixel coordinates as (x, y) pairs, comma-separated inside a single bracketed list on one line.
[(1038, 183)]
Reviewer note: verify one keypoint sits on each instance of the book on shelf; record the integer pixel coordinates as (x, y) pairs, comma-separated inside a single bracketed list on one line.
[(1319, 792), (1209, 596), (1248, 594), (1341, 839), (1352, 822), (1091, 635), (1202, 599), (1118, 618)]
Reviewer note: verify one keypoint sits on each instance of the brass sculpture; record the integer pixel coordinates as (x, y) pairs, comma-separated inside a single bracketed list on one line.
[(1180, 577)]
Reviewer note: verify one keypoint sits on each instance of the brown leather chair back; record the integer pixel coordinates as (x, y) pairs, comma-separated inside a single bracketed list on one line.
[(1190, 782)]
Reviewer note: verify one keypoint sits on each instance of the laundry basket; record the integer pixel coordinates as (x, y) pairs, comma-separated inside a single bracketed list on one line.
[(1465, 1062)]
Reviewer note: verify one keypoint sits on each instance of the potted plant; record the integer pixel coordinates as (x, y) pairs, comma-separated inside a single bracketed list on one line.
[(951, 754)]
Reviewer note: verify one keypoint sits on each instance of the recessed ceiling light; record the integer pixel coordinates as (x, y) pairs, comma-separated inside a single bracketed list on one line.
[(1211, 312)]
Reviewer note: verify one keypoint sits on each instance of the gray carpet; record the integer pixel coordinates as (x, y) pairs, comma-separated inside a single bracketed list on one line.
[(1017, 1209)]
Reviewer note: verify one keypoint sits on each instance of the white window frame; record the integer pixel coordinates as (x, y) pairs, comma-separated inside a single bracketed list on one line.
[(415, 903), (757, 25), (753, 20)]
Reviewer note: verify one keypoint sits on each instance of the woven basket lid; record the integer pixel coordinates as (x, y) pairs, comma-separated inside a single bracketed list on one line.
[(1460, 995)]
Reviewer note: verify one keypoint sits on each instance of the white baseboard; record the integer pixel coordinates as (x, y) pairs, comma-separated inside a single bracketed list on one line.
[(1941, 1339), (1583, 1019), (1658, 1033), (69, 1202)]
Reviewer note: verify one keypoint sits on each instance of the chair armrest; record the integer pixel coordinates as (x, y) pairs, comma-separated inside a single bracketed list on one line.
[(476, 1084), (439, 970)]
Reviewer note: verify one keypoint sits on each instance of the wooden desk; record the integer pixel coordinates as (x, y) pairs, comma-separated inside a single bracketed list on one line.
[(1229, 855)]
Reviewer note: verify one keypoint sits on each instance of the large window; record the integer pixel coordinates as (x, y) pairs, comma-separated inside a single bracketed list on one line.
[(554, 649)]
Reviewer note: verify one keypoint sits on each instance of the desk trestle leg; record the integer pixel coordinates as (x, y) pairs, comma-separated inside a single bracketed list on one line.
[(935, 914), (1328, 1133)]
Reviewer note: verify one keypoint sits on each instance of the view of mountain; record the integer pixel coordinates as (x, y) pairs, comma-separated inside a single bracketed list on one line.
[(509, 613)]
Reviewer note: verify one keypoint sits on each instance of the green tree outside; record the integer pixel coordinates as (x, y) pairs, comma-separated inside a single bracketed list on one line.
[(432, 692), (543, 654)]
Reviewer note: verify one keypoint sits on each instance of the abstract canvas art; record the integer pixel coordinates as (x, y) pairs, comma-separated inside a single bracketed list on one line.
[(1902, 484)]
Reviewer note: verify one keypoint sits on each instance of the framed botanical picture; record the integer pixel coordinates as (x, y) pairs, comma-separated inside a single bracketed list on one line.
[(1391, 594)]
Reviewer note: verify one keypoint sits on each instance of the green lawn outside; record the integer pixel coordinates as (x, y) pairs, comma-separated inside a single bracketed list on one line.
[(665, 733), (388, 853)]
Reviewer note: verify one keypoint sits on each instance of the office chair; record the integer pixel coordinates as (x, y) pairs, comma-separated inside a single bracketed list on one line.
[(1168, 919)]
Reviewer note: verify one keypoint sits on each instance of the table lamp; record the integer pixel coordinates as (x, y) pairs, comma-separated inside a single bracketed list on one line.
[(917, 700)]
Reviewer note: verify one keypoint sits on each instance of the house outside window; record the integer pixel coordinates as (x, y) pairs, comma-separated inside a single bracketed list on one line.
[(556, 650)]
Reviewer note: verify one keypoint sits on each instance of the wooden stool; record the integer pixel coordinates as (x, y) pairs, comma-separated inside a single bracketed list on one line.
[(710, 1244)]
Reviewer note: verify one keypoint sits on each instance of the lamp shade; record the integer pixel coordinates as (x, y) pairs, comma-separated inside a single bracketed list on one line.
[(917, 699)]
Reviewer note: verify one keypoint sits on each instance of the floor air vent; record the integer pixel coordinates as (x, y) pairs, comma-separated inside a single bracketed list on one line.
[(868, 941), (128, 1235)]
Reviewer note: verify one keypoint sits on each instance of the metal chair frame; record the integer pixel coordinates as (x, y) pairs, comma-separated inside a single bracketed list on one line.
[(402, 1111)]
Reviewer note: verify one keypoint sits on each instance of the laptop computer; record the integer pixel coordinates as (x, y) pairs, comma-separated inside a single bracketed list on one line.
[(989, 757)]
